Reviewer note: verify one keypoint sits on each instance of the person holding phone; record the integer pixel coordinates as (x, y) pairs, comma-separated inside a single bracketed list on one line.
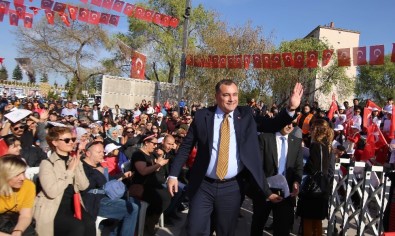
[(61, 175)]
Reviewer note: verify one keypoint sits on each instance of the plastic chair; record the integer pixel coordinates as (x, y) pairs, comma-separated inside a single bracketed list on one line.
[(142, 213), (32, 173), (99, 219)]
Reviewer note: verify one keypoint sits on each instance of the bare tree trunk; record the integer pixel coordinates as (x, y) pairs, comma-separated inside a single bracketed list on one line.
[(77, 89), (171, 73)]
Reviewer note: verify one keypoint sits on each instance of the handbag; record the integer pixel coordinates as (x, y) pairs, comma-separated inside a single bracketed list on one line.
[(136, 191), (8, 221), (315, 184)]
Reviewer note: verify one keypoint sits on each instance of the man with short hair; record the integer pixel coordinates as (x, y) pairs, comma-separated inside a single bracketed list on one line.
[(69, 110), (160, 123)]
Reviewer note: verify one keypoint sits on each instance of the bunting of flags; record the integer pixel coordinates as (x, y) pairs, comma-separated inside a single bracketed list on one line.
[(85, 15), (298, 60)]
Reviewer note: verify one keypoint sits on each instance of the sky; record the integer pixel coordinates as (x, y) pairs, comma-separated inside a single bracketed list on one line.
[(284, 19)]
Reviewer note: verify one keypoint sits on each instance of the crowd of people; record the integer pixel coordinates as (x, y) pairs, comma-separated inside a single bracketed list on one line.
[(174, 156)]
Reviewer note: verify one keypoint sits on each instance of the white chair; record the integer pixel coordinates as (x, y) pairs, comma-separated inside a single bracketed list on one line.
[(142, 213), (32, 173), (99, 219), (162, 221)]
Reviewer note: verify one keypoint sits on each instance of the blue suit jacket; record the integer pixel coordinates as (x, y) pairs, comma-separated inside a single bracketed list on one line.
[(200, 133)]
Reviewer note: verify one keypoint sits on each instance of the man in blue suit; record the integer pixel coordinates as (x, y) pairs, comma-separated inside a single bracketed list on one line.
[(208, 192)]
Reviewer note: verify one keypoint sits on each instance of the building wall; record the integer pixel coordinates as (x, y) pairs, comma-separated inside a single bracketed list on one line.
[(337, 38)]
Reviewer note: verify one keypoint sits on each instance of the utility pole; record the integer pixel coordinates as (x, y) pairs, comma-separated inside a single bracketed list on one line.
[(183, 67)]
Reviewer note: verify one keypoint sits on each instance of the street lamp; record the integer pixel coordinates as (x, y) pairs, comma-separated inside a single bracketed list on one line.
[(183, 67)]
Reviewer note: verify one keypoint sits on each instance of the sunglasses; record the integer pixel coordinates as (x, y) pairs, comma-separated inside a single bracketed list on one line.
[(67, 140), (16, 128), (129, 132)]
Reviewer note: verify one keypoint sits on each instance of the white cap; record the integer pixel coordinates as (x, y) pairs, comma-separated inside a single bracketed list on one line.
[(375, 109), (160, 114), (338, 127), (110, 147), (341, 107), (75, 103), (356, 127)]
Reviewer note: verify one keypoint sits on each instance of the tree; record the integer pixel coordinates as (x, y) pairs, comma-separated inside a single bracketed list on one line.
[(3, 74), (17, 73), (55, 85), (376, 82), (44, 78), (72, 51)]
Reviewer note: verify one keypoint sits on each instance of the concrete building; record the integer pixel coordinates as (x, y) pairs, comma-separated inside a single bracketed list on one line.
[(337, 38)]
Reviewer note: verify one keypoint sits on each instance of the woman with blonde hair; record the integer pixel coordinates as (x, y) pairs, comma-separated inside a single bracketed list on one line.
[(313, 208), (16, 197), (61, 176)]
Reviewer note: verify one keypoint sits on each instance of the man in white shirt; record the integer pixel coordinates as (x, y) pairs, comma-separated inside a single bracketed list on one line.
[(69, 110)]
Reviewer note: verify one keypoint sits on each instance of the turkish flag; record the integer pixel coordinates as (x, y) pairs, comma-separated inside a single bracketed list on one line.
[(376, 55), (46, 4), (247, 61), (257, 60), (139, 13), (359, 56), (343, 57), (50, 17), (148, 15), (4, 6), (287, 59), (393, 53), (371, 105), (333, 108), (14, 18), (1, 17), (266, 60), (97, 2), (189, 60), (165, 21), (28, 20), (34, 9), (222, 61), (157, 18), (198, 61), (299, 60), (215, 61), (118, 5), (312, 59), (1, 60), (207, 62), (370, 147), (65, 19), (367, 112), (107, 4), (104, 18), (94, 17), (276, 61), (138, 65), (392, 127), (59, 7), (129, 9), (20, 10), (19, 2), (239, 61), (231, 62), (83, 15), (174, 22), (326, 56), (72, 12), (114, 19)]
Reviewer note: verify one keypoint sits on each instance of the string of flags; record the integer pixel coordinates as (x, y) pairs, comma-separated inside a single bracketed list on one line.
[(298, 60), (82, 14)]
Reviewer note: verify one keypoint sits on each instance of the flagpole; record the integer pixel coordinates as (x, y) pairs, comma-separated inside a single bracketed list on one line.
[(183, 67)]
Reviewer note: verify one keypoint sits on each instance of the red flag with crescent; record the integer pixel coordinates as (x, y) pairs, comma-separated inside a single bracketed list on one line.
[(1, 60), (107, 4), (299, 60), (174, 22), (287, 59), (138, 65), (97, 2), (393, 53), (128, 9), (165, 20), (222, 61), (239, 61), (59, 7), (247, 61), (189, 60), (257, 60), (47, 4), (4, 6), (50, 17), (343, 57), (266, 60), (20, 9), (312, 59), (326, 56), (104, 18), (276, 61), (376, 55), (118, 5), (359, 56), (28, 20), (114, 20), (333, 108), (215, 61), (72, 12), (83, 15), (94, 17), (64, 18)]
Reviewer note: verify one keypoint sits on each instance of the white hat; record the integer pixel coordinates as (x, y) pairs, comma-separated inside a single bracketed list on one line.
[(160, 114), (338, 127), (375, 109), (75, 103), (341, 107), (110, 147)]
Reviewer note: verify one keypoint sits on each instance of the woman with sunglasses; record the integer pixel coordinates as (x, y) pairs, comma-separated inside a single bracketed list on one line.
[(145, 166), (16, 196), (60, 177)]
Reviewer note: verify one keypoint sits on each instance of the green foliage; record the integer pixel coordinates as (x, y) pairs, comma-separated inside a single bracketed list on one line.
[(376, 82), (55, 85), (44, 78), (17, 73), (52, 95), (3, 74)]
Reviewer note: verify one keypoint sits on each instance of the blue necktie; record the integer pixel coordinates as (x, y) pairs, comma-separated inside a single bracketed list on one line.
[(283, 157)]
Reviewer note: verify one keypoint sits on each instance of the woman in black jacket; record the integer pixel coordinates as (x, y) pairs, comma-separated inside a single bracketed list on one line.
[(312, 208)]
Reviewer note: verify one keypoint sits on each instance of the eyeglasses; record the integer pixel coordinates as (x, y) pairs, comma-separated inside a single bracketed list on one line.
[(89, 145), (67, 140), (155, 144), (16, 128), (129, 132)]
